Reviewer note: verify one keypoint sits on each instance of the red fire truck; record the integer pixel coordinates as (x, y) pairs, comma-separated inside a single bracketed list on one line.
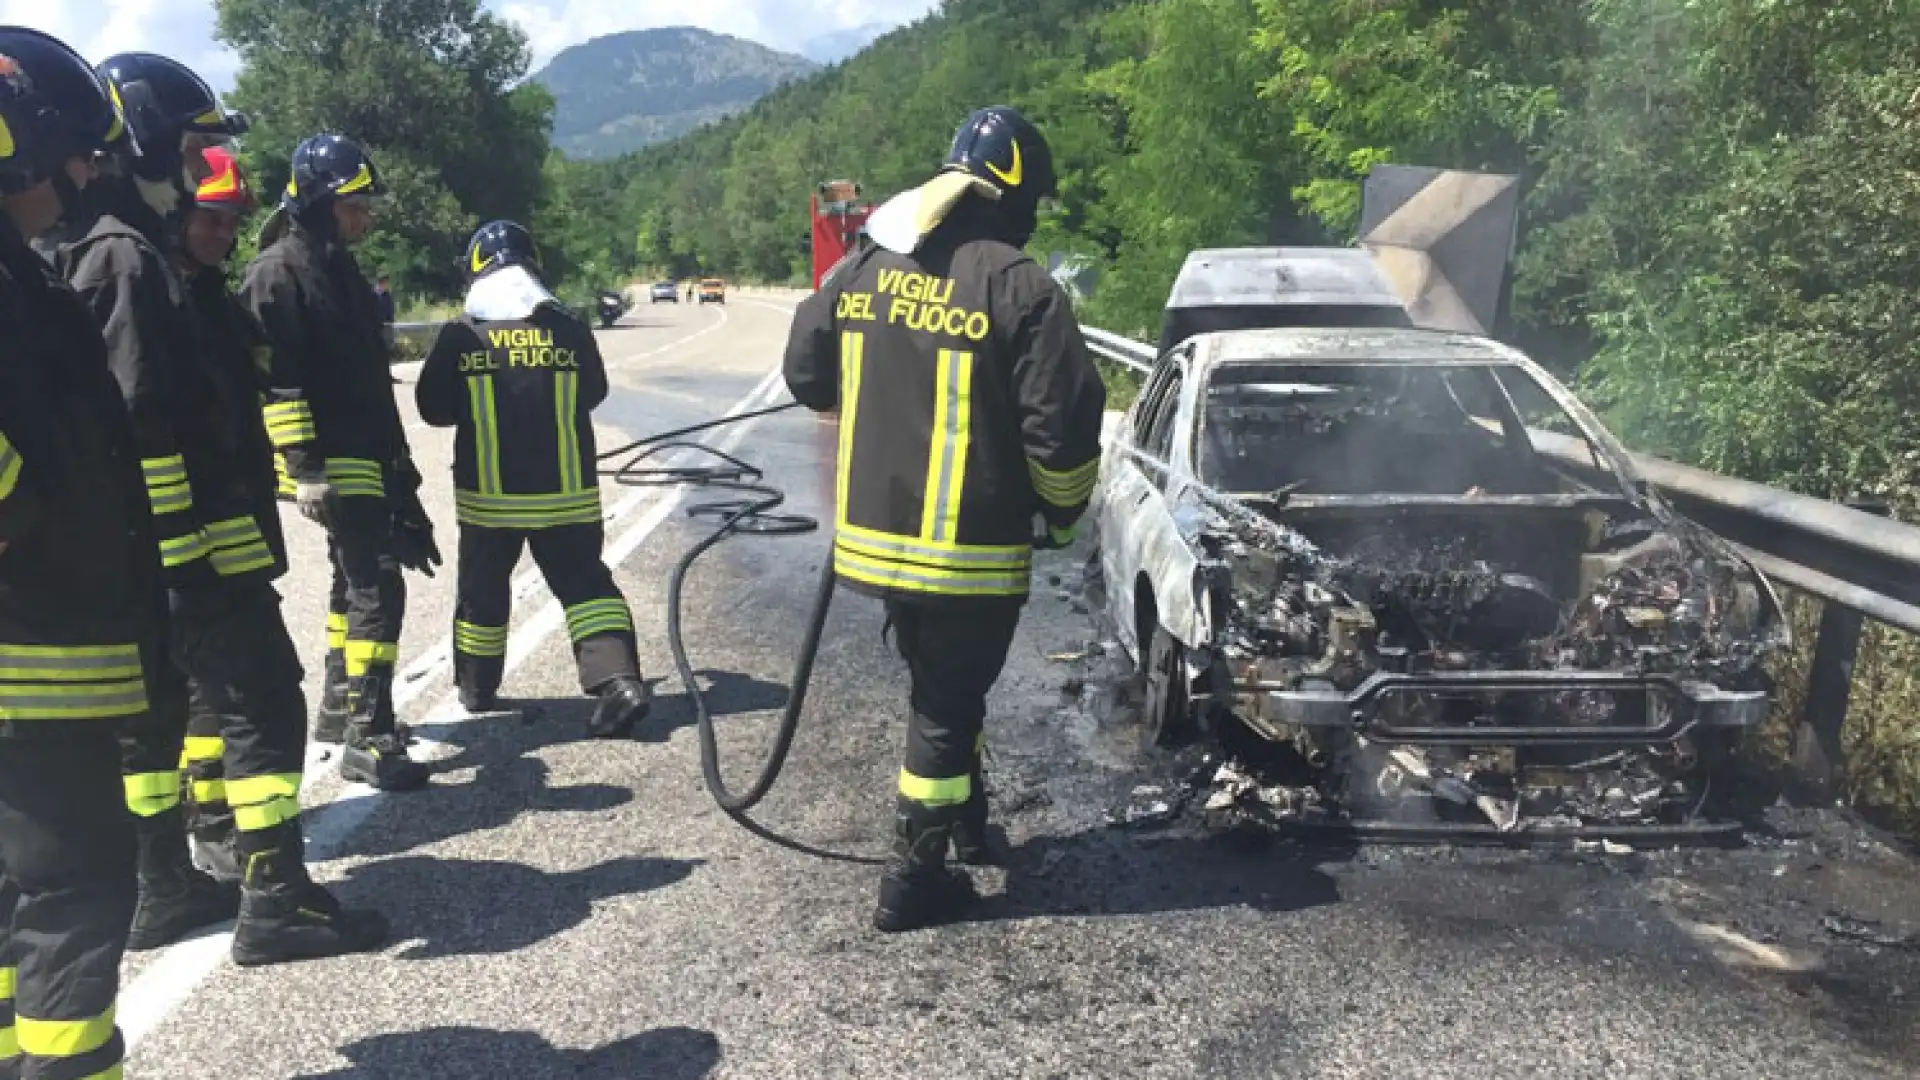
[(838, 215)]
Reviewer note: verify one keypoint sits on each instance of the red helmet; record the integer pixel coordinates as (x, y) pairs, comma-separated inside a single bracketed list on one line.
[(226, 187)]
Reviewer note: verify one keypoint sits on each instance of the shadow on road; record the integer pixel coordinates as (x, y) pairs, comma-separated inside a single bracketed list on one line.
[(1109, 872), (674, 1053), (465, 907), (728, 693), (508, 782)]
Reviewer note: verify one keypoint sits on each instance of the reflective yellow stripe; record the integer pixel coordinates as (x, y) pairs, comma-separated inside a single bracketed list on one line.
[(356, 476), (947, 457), (9, 1043), (72, 701), (936, 791), (605, 616), (361, 181), (167, 487), (181, 550), (912, 577), (486, 434), (1064, 489), (170, 469), (566, 406), (238, 547), (7, 977), (208, 792), (853, 347), (9, 467), (336, 630), (958, 557), (290, 423), (65, 1038), (527, 511), (261, 802), (152, 793), (204, 748), (475, 640), (68, 663), (362, 655)]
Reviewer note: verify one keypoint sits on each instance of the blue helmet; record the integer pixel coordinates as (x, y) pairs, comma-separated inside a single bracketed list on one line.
[(53, 108), (1002, 147), (164, 101), (329, 167), (500, 243)]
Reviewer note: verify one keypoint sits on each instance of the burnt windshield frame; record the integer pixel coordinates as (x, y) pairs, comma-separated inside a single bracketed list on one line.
[(1514, 435)]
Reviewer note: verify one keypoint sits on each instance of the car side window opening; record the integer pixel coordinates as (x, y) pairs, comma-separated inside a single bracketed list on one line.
[(1359, 428), (1160, 430)]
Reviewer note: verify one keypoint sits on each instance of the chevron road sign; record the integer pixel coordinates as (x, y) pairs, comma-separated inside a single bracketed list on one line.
[(1444, 238)]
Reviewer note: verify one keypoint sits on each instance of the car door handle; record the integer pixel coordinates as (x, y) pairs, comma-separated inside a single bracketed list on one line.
[(1142, 497)]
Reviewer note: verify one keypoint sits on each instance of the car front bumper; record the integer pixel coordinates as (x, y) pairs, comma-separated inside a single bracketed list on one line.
[(1675, 706)]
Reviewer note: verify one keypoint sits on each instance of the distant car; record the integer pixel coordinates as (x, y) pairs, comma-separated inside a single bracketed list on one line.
[(713, 291), (1419, 560)]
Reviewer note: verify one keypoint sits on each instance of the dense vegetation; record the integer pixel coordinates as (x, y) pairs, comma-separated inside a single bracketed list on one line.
[(618, 93), (1721, 234)]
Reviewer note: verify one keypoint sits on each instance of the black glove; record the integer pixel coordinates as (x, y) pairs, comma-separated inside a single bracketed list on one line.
[(413, 542)]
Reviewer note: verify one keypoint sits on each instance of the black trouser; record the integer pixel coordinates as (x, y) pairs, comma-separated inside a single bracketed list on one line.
[(247, 729), (66, 900), (955, 652), (371, 594), (569, 558)]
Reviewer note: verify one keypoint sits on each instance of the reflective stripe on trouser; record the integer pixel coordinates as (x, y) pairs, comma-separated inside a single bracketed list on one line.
[(369, 581), (954, 654), (246, 674), (67, 895), (202, 760), (569, 558)]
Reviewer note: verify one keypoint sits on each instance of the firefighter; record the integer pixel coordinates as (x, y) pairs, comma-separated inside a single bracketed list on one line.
[(518, 376), (80, 593), (969, 434), (332, 416), (122, 268), (247, 728)]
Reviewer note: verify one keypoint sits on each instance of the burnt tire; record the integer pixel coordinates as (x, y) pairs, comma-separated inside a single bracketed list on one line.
[(1167, 711)]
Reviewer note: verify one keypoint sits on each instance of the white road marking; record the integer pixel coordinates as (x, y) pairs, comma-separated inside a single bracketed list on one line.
[(167, 983)]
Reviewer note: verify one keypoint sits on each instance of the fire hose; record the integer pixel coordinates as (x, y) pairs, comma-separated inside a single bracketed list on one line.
[(750, 512)]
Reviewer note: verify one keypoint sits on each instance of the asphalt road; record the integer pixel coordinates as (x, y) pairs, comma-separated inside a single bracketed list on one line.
[(567, 908)]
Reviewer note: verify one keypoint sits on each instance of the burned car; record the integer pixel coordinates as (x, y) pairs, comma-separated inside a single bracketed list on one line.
[(1418, 561)]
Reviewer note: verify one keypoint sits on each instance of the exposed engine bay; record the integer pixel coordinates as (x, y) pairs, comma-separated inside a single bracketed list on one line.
[(1462, 631)]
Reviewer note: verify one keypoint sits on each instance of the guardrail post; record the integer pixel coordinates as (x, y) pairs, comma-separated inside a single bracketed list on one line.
[(1816, 744)]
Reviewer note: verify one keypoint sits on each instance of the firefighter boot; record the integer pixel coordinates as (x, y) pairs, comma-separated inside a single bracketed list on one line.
[(919, 890), (215, 843), (376, 754), (624, 702), (175, 897), (330, 719), (284, 915), (971, 841)]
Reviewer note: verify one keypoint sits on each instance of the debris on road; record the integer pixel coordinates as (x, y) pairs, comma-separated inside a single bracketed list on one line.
[(1867, 932)]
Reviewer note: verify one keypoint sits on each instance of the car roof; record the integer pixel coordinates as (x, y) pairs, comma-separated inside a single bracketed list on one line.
[(1335, 345)]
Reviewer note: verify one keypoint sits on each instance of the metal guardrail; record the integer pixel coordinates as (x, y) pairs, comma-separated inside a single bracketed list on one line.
[(1853, 557)]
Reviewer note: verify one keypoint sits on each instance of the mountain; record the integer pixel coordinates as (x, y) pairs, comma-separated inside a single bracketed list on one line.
[(621, 92), (831, 48)]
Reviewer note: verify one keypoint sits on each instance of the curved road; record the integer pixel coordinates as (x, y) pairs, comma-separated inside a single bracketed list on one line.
[(567, 908)]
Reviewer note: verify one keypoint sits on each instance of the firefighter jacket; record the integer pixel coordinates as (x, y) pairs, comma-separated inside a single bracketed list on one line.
[(180, 421), (521, 394), (80, 571), (330, 407), (240, 361), (967, 402)]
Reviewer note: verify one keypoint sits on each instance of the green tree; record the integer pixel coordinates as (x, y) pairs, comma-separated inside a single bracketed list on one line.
[(428, 86)]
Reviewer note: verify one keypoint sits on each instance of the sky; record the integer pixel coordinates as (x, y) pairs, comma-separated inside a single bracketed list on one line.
[(183, 29)]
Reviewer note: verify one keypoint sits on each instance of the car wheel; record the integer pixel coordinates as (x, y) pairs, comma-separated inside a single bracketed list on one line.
[(1168, 709)]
